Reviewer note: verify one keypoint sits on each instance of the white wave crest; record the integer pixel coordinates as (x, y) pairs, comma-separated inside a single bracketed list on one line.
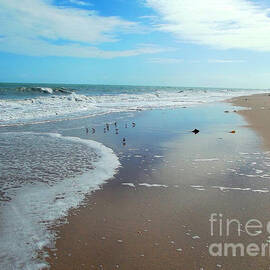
[(75, 105)]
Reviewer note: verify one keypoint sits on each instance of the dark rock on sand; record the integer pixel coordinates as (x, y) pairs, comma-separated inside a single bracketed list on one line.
[(195, 131)]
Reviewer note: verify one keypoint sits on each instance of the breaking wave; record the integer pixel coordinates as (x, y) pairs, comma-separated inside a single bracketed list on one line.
[(91, 103)]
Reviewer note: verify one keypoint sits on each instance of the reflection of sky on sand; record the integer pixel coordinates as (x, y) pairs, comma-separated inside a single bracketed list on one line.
[(214, 156), (161, 145), (170, 182), (162, 150), (217, 159)]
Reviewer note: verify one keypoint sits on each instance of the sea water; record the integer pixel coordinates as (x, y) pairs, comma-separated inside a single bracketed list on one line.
[(32, 103)]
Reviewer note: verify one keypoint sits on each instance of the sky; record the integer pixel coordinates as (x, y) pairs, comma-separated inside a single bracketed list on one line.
[(209, 43)]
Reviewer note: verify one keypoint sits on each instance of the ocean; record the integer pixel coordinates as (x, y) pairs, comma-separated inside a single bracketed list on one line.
[(32, 103)]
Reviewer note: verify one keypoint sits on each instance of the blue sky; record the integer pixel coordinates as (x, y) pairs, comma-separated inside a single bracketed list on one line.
[(139, 42)]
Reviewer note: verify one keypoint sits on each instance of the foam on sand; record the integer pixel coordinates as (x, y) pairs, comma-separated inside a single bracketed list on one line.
[(28, 218), (206, 159), (265, 190), (128, 184), (152, 185), (261, 190), (231, 188)]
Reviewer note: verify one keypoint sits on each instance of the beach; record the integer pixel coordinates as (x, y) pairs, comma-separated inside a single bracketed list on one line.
[(150, 206), (154, 214)]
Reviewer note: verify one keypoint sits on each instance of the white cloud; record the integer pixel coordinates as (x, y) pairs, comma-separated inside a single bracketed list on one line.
[(36, 27), (80, 3), (223, 61), (223, 24), (165, 60), (42, 48)]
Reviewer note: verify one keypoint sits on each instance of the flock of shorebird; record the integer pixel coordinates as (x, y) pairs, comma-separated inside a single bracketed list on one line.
[(107, 129)]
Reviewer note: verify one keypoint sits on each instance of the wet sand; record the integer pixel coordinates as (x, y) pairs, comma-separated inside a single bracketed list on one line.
[(160, 219)]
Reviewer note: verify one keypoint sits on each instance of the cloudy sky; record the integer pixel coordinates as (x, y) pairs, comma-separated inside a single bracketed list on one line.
[(141, 42)]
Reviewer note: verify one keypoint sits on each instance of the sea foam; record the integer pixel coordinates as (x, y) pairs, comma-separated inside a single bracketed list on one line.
[(34, 209), (51, 107)]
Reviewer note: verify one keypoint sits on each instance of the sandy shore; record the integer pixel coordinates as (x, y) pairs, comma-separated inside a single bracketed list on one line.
[(257, 114), (160, 220)]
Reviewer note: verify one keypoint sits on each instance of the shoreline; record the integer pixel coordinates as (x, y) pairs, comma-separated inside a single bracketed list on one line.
[(256, 114)]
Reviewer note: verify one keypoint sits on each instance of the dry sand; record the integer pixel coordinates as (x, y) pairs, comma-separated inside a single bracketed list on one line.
[(257, 114)]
